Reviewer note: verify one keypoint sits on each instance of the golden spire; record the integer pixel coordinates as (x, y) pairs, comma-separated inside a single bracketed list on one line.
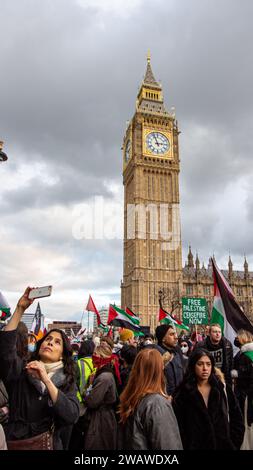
[(148, 56), (149, 78)]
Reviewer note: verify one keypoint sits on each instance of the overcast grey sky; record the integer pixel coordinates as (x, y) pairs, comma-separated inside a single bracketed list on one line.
[(70, 73)]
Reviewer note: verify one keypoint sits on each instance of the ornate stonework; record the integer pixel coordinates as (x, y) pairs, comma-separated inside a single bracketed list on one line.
[(152, 251), (198, 282), (152, 238)]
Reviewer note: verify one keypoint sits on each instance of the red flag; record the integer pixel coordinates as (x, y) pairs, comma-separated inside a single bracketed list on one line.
[(110, 333), (92, 308)]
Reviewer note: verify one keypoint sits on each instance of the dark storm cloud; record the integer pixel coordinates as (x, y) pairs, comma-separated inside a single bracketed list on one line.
[(73, 81), (69, 80), (68, 188), (64, 83)]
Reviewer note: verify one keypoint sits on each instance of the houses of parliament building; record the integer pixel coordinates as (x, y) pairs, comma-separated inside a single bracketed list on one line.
[(152, 265)]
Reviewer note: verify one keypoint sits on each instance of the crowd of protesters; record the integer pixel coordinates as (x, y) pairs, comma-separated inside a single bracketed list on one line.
[(160, 392)]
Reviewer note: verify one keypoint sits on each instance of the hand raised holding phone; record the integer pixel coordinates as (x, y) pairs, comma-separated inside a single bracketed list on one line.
[(24, 302), (39, 292)]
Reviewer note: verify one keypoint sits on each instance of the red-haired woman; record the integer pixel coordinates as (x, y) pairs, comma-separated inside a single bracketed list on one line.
[(146, 415)]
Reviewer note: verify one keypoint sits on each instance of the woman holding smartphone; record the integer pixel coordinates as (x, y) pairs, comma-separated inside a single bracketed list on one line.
[(42, 393)]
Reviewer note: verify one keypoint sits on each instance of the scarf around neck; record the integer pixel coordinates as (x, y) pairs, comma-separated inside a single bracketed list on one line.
[(55, 373), (52, 367)]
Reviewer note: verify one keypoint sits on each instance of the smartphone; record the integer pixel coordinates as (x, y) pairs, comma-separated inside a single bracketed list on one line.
[(38, 292)]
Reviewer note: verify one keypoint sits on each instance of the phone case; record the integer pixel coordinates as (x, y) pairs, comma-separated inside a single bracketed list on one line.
[(40, 292)]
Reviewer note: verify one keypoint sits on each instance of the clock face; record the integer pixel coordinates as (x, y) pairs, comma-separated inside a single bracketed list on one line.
[(157, 143), (127, 151)]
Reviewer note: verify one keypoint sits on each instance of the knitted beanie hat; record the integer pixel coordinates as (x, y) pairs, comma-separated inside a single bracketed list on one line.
[(161, 331), (125, 335)]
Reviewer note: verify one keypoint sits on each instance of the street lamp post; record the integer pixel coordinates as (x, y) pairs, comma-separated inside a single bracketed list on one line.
[(3, 156)]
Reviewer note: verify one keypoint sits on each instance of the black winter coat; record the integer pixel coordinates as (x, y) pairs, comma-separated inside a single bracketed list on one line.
[(32, 413), (244, 383), (207, 428)]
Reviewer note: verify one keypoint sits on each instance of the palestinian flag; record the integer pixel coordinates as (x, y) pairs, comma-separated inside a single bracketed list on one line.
[(119, 317), (139, 333), (133, 315), (165, 317), (104, 328), (5, 311), (226, 311), (136, 317)]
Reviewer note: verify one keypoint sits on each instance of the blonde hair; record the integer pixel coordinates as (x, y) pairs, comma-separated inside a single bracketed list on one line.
[(244, 336), (219, 374), (215, 325), (167, 357), (104, 350)]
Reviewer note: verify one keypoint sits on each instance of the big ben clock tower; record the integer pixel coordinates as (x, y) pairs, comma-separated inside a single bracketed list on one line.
[(152, 239)]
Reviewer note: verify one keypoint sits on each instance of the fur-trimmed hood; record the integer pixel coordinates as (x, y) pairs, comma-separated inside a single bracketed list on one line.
[(247, 347)]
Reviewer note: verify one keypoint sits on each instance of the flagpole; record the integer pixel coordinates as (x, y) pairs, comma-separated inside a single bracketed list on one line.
[(82, 320)]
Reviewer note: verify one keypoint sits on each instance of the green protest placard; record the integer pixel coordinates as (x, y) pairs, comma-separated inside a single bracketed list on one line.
[(195, 311)]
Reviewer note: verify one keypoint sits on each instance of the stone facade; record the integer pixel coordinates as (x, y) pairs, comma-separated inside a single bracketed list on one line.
[(152, 239), (150, 176), (198, 282)]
